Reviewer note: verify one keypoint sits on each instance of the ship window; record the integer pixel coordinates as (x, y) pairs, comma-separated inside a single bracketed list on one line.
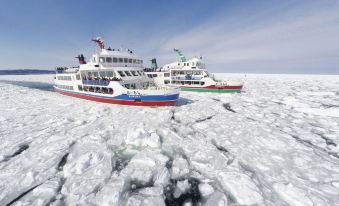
[(102, 59), (134, 61), (134, 73), (188, 64), (95, 74), (108, 59), (149, 75), (89, 74), (83, 75), (80, 87), (166, 74), (109, 73), (155, 75), (141, 61), (115, 59), (121, 60), (129, 60), (121, 73), (125, 60), (167, 81), (139, 73), (202, 83), (102, 74), (78, 76), (128, 73)]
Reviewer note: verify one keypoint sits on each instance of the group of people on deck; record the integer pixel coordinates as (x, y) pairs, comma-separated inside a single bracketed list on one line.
[(101, 78)]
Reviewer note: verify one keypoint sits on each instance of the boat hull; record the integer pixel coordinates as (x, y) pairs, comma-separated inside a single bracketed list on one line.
[(214, 88), (151, 101)]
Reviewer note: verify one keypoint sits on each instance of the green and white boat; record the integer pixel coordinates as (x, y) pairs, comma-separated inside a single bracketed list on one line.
[(190, 75)]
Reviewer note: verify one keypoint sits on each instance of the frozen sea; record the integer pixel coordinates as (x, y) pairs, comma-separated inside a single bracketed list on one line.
[(276, 143)]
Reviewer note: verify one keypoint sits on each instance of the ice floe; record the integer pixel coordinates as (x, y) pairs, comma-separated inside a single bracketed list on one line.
[(276, 143)]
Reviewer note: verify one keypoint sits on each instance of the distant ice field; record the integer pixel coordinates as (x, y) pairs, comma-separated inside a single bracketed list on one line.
[(276, 143)]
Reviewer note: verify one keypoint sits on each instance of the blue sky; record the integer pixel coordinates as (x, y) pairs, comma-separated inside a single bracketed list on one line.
[(238, 36)]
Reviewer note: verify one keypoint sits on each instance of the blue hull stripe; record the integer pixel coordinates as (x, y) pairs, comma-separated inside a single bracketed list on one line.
[(132, 98)]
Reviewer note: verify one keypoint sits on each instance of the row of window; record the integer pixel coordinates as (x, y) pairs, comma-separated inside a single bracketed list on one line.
[(174, 73), (103, 90), (188, 82), (109, 74), (193, 65), (67, 78), (131, 73), (64, 87), (152, 75), (177, 73), (119, 60), (144, 85)]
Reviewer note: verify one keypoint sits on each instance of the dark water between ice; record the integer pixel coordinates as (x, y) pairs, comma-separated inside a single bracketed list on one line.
[(25, 71)]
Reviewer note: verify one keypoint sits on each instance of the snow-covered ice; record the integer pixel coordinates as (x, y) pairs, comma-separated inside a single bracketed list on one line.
[(276, 143)]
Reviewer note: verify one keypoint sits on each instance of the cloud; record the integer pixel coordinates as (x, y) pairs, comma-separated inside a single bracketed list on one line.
[(293, 41)]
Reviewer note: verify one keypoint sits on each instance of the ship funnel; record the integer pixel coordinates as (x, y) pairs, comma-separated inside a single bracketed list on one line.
[(81, 59), (154, 64), (99, 42)]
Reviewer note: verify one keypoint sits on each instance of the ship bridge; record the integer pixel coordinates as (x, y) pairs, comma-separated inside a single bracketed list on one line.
[(116, 58)]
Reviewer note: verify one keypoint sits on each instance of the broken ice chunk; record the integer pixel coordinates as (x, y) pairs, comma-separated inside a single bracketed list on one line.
[(292, 194), (142, 138), (241, 187), (216, 199), (141, 200), (205, 189), (182, 187), (179, 168), (161, 177)]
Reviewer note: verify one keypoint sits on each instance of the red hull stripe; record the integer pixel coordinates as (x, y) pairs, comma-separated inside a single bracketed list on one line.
[(218, 87), (115, 101), (225, 87)]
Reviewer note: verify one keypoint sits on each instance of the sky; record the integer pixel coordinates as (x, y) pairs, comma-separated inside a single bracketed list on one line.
[(232, 36)]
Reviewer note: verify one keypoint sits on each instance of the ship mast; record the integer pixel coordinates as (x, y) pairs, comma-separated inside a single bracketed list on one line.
[(100, 42)]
